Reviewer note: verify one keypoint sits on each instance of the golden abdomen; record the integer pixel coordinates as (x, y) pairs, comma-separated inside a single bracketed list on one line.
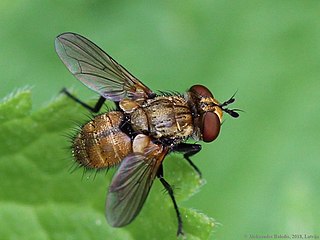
[(101, 143)]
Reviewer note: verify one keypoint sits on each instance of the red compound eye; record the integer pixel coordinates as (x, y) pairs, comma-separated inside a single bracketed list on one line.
[(210, 126), (201, 90)]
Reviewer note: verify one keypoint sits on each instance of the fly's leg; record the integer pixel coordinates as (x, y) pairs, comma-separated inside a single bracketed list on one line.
[(94, 109), (189, 150), (169, 189)]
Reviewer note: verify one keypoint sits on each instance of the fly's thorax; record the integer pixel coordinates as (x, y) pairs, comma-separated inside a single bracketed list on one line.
[(101, 143), (164, 116), (206, 111)]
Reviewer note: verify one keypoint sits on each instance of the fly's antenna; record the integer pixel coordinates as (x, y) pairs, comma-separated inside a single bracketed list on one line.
[(232, 112)]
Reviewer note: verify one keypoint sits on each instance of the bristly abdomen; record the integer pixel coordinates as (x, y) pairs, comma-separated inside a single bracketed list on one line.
[(101, 143)]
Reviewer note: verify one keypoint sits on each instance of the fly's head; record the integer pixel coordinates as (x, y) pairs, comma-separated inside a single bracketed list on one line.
[(208, 112)]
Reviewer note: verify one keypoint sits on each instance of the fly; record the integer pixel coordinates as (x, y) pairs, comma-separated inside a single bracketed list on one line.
[(140, 132)]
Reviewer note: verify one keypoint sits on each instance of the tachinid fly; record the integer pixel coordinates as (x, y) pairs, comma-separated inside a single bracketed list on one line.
[(140, 132)]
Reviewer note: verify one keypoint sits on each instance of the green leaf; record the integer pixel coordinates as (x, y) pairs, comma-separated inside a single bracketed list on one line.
[(41, 199)]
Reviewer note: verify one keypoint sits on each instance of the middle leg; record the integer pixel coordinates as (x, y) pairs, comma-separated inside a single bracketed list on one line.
[(169, 189)]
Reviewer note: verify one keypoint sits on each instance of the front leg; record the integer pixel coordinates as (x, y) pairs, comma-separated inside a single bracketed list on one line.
[(188, 150)]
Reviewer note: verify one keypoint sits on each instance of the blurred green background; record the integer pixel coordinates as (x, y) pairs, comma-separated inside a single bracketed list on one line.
[(263, 171)]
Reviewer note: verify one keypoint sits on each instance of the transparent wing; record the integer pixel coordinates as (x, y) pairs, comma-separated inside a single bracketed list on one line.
[(130, 187), (97, 70)]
